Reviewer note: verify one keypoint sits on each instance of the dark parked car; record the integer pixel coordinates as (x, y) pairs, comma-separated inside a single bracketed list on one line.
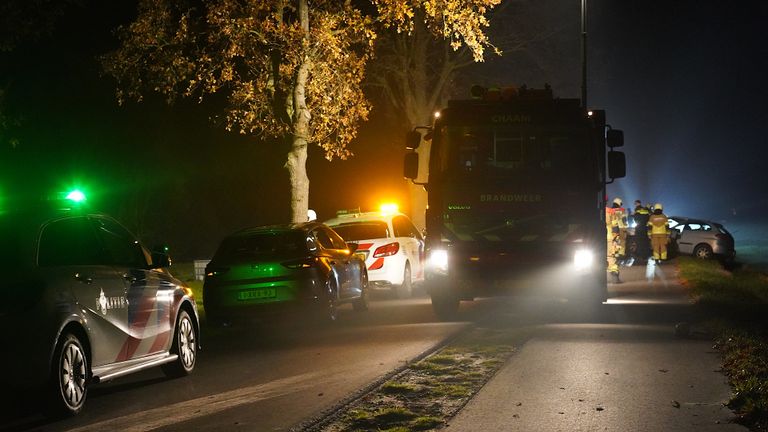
[(84, 302), (262, 271)]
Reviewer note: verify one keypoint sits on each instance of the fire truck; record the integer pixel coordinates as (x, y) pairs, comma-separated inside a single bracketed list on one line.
[(516, 195)]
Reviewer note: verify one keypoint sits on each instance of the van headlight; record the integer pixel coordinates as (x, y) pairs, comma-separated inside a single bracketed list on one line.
[(583, 259), (438, 260)]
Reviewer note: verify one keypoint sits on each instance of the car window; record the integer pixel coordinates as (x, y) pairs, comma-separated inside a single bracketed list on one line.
[(261, 245), (362, 230), (311, 244), (69, 241), (321, 236), (722, 229), (679, 228), (122, 248), (336, 240), (405, 228), (698, 227)]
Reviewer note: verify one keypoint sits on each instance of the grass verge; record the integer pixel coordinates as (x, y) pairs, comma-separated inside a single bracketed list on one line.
[(736, 301), (425, 395)]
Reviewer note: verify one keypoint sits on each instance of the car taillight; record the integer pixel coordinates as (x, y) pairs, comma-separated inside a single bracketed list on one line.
[(215, 271), (386, 250), (300, 263)]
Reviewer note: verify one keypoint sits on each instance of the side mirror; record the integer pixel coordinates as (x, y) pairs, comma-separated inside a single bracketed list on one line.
[(413, 140), (617, 164), (352, 247), (615, 138), (411, 165)]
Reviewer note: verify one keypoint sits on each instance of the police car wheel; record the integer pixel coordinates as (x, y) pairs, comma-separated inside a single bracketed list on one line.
[(69, 377), (405, 290), (184, 346)]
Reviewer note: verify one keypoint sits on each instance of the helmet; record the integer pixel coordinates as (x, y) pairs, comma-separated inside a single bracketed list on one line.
[(617, 200), (658, 206)]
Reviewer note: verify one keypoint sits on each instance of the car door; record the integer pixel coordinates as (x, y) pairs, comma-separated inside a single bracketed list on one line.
[(352, 277), (410, 239), (331, 256), (690, 236), (70, 255), (150, 296)]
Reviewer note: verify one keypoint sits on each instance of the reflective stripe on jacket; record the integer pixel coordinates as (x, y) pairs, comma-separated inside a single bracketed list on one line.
[(615, 218), (657, 225)]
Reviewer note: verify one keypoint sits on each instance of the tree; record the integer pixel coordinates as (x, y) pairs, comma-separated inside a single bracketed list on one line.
[(414, 74), (23, 21), (290, 70)]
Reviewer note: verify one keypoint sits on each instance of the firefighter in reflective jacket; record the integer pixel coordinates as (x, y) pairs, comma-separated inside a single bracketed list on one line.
[(658, 231), (616, 229)]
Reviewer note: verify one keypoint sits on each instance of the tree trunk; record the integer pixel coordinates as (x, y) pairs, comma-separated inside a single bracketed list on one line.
[(296, 162)]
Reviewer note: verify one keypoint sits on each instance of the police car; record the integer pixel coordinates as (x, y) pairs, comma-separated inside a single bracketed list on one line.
[(392, 247), (84, 302)]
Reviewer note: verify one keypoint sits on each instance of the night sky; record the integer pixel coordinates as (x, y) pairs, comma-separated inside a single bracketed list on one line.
[(685, 80)]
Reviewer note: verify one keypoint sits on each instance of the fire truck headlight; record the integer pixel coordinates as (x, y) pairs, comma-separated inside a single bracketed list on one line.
[(438, 260), (583, 259)]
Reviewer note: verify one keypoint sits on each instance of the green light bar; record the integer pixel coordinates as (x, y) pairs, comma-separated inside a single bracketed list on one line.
[(76, 196)]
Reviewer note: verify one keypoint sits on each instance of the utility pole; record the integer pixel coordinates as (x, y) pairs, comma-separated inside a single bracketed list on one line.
[(584, 54)]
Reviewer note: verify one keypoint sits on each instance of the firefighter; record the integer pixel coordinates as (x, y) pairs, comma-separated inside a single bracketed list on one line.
[(616, 230), (658, 231), (642, 245)]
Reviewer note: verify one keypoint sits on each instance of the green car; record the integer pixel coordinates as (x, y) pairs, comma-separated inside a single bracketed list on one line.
[(259, 272)]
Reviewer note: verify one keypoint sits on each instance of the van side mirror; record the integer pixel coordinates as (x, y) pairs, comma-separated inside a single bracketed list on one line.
[(615, 138), (411, 165), (413, 140), (617, 165)]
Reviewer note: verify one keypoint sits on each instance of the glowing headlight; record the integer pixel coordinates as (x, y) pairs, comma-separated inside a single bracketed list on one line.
[(438, 260), (583, 259)]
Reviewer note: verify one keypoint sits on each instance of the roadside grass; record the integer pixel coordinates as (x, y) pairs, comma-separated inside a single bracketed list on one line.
[(736, 301), (429, 392), (185, 272), (712, 284)]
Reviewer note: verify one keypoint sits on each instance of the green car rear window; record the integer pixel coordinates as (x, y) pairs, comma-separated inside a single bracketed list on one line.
[(261, 246)]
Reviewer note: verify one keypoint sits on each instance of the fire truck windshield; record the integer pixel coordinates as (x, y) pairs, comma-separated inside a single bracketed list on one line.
[(515, 151)]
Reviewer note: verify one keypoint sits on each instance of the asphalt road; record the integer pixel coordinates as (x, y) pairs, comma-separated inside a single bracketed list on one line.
[(622, 357), (266, 378), (632, 365)]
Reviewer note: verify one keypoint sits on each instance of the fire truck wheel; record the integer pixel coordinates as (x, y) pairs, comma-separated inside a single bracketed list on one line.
[(446, 306)]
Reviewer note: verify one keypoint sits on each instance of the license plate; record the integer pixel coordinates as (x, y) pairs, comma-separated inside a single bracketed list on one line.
[(256, 294)]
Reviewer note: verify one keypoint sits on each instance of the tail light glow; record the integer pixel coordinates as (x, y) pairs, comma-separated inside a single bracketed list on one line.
[(386, 250)]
